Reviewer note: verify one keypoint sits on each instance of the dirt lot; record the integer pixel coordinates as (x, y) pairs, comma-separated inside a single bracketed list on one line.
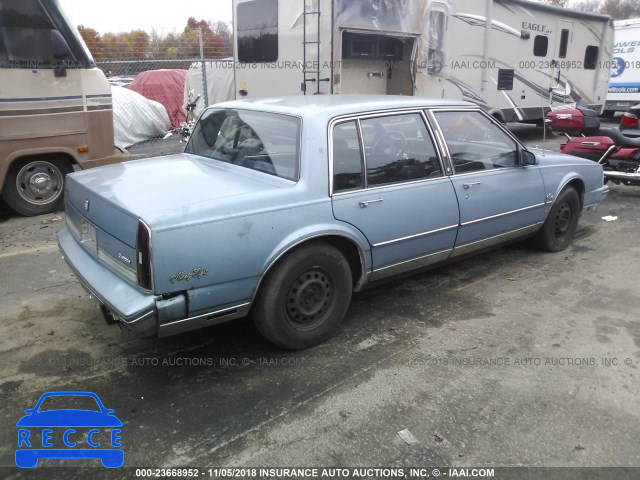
[(513, 358)]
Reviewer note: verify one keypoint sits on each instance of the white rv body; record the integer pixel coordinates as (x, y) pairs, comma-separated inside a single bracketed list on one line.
[(432, 48), (624, 88)]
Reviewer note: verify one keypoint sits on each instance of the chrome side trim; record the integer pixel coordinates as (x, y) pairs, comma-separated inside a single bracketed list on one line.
[(495, 240), (204, 320), (138, 319), (417, 235), (502, 214), (363, 156), (412, 264), (389, 185)]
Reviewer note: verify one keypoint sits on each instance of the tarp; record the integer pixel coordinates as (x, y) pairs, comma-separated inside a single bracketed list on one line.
[(220, 83), (166, 87), (388, 15), (136, 118)]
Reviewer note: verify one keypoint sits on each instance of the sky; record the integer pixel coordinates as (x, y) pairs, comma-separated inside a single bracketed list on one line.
[(126, 15)]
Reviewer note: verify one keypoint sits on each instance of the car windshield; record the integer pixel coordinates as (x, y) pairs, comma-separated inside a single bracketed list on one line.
[(266, 142), (69, 402)]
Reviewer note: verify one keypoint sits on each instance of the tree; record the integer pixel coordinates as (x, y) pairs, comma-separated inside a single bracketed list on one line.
[(589, 6), (621, 9), (217, 39), (93, 40), (556, 3), (224, 31)]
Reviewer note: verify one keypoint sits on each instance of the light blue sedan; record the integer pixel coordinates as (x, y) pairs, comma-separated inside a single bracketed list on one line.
[(281, 208)]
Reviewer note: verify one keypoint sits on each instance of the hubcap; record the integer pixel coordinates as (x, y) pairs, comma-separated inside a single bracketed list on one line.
[(563, 220), (309, 298), (39, 183)]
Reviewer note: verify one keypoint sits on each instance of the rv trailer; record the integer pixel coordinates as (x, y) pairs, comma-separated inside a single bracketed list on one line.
[(624, 89), (512, 57)]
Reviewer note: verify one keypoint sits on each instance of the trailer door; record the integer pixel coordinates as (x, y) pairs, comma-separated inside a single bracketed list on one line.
[(563, 57)]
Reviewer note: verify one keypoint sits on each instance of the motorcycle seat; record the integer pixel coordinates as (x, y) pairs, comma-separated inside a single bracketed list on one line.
[(587, 112), (620, 139)]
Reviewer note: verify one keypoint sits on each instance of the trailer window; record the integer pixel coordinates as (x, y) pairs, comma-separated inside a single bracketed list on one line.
[(591, 57), (435, 41), (564, 43), (257, 31), (28, 36), (540, 46)]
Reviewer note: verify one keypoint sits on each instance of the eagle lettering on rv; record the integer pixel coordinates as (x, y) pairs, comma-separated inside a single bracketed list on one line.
[(536, 27)]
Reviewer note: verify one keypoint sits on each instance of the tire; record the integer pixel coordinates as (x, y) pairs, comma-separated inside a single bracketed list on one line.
[(607, 113), (304, 297), (559, 228), (35, 185)]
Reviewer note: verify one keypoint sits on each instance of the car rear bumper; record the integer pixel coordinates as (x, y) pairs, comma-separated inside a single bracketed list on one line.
[(126, 304)]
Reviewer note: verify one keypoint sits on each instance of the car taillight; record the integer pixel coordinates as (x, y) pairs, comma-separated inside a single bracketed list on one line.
[(143, 256), (629, 120)]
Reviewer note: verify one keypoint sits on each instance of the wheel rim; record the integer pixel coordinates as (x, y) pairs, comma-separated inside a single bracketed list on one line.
[(39, 183), (309, 299), (563, 220)]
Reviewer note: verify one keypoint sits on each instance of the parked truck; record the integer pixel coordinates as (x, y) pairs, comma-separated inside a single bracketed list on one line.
[(624, 88), (512, 57), (55, 106)]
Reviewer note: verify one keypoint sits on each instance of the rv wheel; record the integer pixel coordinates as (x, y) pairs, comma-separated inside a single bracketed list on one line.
[(35, 185)]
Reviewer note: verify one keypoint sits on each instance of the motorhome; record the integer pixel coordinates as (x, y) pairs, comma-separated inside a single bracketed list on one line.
[(624, 88), (512, 57), (55, 106)]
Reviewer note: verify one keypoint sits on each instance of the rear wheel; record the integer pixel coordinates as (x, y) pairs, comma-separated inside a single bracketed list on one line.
[(559, 228), (304, 297), (35, 185)]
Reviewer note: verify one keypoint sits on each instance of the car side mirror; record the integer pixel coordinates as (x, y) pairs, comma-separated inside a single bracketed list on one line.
[(527, 158), (29, 411)]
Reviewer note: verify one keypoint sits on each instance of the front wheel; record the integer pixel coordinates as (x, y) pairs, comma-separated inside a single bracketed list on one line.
[(35, 186), (304, 297), (558, 230)]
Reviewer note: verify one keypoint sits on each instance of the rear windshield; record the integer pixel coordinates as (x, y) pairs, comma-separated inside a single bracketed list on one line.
[(266, 142)]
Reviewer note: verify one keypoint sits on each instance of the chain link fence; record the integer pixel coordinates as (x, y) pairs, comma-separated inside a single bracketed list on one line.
[(160, 87)]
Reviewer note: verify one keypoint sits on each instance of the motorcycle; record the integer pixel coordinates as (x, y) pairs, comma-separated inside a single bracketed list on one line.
[(186, 127), (616, 149)]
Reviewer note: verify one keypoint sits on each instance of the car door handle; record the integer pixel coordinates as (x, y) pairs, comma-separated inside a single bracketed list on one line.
[(365, 203), (467, 186)]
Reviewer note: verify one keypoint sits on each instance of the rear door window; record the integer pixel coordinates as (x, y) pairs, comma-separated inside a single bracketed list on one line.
[(398, 149)]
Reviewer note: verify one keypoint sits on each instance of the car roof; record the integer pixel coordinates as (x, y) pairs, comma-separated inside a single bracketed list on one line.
[(329, 106)]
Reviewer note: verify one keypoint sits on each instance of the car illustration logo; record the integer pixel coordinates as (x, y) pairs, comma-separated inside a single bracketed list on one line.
[(69, 433)]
